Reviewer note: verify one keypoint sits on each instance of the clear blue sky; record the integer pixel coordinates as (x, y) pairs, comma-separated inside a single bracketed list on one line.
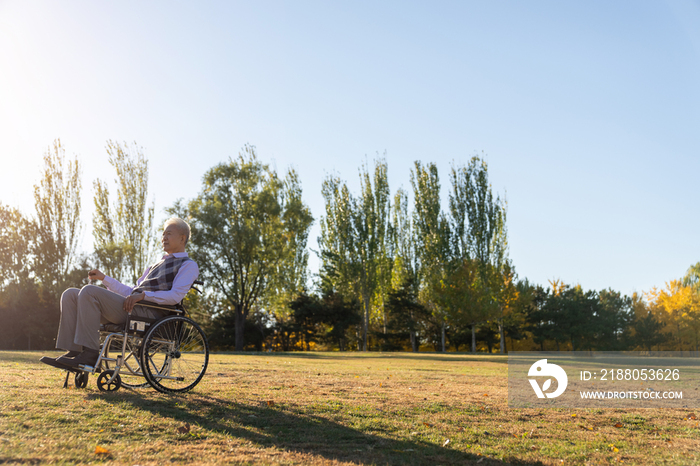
[(588, 113)]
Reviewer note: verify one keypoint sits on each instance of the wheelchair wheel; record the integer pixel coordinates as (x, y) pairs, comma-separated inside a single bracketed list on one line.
[(81, 379), (105, 385), (132, 362), (174, 355)]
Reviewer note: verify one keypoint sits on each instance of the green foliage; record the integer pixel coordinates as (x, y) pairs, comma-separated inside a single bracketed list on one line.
[(406, 316), (354, 239), (58, 226), (581, 320), (245, 229), (123, 234), (15, 246)]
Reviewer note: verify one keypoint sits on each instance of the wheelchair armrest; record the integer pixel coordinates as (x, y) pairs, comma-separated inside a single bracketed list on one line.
[(162, 307)]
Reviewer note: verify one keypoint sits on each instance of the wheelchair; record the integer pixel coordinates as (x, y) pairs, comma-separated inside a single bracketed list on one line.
[(170, 354)]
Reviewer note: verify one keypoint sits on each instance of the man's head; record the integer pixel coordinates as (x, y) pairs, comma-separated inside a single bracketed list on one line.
[(176, 233)]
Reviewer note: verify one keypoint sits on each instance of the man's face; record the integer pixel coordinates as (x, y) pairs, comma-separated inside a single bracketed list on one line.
[(172, 240)]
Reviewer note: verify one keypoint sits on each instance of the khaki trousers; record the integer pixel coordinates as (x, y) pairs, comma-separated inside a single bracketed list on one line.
[(82, 312)]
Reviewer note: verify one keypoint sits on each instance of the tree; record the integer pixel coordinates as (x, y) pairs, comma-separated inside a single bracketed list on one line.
[(58, 226), (307, 315), (478, 223), (370, 219), (290, 277), (680, 306), (405, 313), (15, 246), (242, 232), (354, 238), (646, 326), (340, 314), (431, 236), (24, 317), (692, 277), (613, 318), (123, 234)]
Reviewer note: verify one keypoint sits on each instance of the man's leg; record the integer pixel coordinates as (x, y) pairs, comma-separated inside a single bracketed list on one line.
[(66, 328), (96, 305), (69, 319)]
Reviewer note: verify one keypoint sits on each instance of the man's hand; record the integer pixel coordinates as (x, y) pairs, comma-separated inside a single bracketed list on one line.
[(131, 301), (95, 275)]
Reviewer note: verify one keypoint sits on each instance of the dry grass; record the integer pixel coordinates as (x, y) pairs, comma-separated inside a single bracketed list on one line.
[(323, 408)]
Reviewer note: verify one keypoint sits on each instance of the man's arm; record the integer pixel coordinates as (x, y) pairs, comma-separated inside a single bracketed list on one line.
[(186, 275), (115, 285)]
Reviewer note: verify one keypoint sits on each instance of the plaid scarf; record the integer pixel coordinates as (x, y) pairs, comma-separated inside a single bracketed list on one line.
[(161, 275)]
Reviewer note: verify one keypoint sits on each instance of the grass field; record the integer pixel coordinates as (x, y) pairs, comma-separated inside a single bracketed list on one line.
[(323, 408)]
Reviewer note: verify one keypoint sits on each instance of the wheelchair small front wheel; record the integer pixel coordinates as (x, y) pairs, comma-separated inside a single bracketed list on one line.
[(81, 379), (105, 385), (174, 354)]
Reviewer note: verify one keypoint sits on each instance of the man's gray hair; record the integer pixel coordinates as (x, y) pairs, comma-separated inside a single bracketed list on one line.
[(182, 226)]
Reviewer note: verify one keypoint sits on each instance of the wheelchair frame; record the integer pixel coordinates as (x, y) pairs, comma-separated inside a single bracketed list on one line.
[(158, 346)]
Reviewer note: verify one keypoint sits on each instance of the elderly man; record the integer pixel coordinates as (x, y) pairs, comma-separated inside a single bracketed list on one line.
[(165, 282)]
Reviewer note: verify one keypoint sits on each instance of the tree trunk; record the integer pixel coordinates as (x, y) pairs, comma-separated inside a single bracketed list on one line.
[(503, 336), (443, 337), (365, 324), (473, 337), (414, 342), (240, 327)]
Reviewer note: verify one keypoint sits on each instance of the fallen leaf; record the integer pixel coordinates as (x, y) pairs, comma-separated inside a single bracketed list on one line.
[(585, 427), (486, 394), (101, 451), (380, 384), (446, 442), (618, 425), (480, 460), (270, 403), (692, 416), (461, 429), (573, 415), (184, 429), (427, 425)]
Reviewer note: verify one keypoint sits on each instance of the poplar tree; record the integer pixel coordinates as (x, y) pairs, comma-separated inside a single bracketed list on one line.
[(478, 221), (354, 234), (123, 233), (431, 236), (58, 226)]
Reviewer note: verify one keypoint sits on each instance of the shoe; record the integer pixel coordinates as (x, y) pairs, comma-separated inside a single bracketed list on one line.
[(54, 363), (88, 357), (69, 354)]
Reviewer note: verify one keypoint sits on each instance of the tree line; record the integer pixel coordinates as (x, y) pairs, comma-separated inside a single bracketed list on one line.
[(398, 272)]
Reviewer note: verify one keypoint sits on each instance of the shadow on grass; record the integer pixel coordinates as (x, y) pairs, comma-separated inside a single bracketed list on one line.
[(282, 428)]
